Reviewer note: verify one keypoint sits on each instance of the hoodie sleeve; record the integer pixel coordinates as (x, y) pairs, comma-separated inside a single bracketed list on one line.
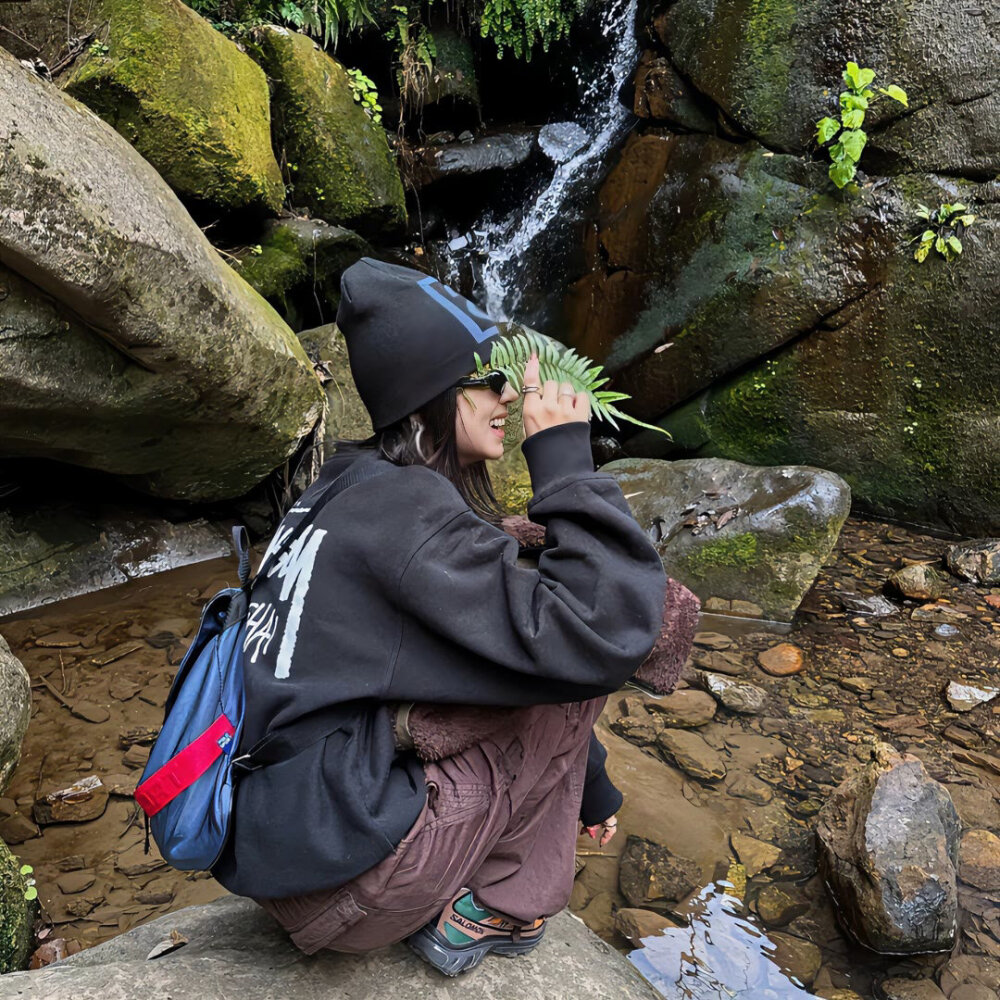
[(601, 799), (583, 619)]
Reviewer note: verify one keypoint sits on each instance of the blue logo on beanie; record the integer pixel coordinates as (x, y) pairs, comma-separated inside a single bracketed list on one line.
[(466, 312)]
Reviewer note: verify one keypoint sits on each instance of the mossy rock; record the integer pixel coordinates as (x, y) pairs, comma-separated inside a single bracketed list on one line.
[(17, 914), (297, 265), (738, 532), (454, 77), (15, 704), (340, 165), (803, 330), (774, 67), (194, 105)]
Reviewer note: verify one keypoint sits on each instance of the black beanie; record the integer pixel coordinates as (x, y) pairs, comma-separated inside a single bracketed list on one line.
[(408, 337)]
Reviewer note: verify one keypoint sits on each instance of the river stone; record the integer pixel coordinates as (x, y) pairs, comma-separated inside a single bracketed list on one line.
[(691, 754), (746, 786), (731, 664), (781, 525), (496, 151), (755, 855), (297, 263), (84, 800), (972, 991), (453, 81), (782, 660), (234, 949), (160, 356), (345, 172), (16, 914), (651, 876), (686, 709), (737, 696), (15, 711), (979, 860), (776, 906), (187, 98), (662, 94), (910, 989), (778, 324), (964, 697), (636, 924), (888, 845), (775, 69), (978, 561), (920, 582), (796, 957)]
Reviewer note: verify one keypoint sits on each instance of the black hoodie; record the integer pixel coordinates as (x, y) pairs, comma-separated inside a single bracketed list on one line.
[(398, 592)]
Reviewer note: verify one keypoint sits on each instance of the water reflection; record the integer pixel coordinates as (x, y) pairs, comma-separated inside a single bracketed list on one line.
[(720, 956)]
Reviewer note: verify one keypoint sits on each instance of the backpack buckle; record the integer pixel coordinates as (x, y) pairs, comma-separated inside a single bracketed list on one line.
[(242, 763)]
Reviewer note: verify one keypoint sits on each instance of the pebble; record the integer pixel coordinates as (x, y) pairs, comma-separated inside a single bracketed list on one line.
[(755, 855), (782, 660), (777, 907), (737, 696), (17, 829), (135, 861), (651, 874), (637, 924), (920, 582), (937, 613), (859, 685), (979, 860), (115, 653), (136, 757), (731, 664), (84, 800), (973, 991), (969, 739), (691, 754), (964, 697), (746, 786), (78, 881), (910, 989), (712, 640), (122, 688), (874, 606), (900, 653), (688, 708), (946, 631)]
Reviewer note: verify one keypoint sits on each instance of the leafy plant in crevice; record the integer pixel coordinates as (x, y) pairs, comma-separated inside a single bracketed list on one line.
[(414, 58), (365, 94), (846, 137), (324, 19), (946, 225), (509, 354)]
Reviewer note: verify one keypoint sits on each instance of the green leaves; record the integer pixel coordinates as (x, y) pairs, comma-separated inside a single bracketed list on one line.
[(947, 223), (561, 364), (826, 129), (365, 94), (847, 135), (896, 93)]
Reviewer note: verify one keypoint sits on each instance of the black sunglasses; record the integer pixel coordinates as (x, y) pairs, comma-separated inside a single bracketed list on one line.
[(496, 381)]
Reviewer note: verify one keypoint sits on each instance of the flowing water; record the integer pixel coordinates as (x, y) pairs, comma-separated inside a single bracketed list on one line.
[(534, 238)]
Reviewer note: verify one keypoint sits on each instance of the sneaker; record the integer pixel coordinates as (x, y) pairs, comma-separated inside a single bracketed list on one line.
[(465, 934)]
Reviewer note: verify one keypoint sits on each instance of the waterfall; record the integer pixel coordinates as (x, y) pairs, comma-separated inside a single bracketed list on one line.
[(510, 245)]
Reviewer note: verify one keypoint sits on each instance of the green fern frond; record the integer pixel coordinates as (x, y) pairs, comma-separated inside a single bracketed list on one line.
[(510, 354)]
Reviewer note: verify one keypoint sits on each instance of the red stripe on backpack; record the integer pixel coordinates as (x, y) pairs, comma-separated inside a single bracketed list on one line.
[(184, 768)]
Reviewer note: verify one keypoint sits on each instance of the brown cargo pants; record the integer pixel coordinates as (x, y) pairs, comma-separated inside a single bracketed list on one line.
[(501, 818)]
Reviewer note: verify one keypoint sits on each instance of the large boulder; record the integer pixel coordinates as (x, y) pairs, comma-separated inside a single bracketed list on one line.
[(802, 329), (15, 711), (129, 346), (231, 948), (343, 169), (888, 846), (736, 532), (188, 99), (297, 265), (16, 913), (774, 69)]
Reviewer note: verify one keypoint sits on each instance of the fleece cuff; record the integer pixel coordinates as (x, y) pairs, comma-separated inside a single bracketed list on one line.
[(558, 452)]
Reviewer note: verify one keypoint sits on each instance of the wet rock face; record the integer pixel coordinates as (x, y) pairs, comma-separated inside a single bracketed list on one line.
[(826, 287), (189, 100), (345, 173), (731, 531), (16, 914), (978, 561), (15, 711), (502, 151), (155, 356), (774, 68), (888, 844), (651, 877)]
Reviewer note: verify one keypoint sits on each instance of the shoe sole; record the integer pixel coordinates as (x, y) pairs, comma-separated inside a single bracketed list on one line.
[(452, 961)]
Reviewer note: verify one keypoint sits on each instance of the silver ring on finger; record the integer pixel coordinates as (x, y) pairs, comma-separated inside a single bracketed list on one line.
[(530, 388)]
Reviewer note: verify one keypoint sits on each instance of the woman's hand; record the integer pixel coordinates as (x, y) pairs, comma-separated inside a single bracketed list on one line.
[(550, 404), (607, 830)]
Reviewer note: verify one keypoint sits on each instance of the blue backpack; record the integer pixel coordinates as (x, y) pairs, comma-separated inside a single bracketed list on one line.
[(187, 787)]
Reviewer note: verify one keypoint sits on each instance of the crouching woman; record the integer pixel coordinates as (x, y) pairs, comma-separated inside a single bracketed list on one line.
[(435, 696)]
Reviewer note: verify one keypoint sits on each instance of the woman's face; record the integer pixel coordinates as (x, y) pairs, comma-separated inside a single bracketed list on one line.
[(479, 423)]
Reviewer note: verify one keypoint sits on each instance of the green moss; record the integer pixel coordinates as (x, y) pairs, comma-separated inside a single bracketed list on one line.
[(189, 101), (768, 46), (16, 914), (340, 166), (278, 267), (454, 69), (735, 552)]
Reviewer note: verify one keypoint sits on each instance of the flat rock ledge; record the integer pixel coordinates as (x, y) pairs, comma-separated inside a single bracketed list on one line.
[(236, 952)]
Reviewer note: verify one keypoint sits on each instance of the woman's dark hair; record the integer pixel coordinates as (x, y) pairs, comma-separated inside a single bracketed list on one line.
[(428, 438)]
